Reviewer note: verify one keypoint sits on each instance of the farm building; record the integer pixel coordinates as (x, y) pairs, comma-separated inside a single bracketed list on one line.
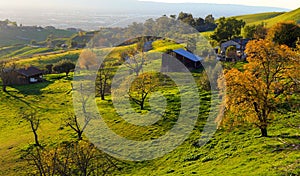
[(240, 45), (25, 76), (190, 60)]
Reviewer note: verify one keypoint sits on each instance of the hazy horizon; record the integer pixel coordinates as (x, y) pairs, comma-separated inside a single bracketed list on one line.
[(113, 13)]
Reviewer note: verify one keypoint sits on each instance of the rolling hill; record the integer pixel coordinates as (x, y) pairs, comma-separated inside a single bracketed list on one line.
[(238, 151), (271, 18)]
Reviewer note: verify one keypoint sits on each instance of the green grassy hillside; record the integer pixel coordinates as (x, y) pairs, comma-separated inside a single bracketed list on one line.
[(239, 151), (51, 99), (293, 15), (271, 18), (254, 18)]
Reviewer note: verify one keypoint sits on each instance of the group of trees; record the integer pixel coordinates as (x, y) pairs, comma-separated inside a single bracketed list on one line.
[(227, 29), (63, 66), (202, 25), (255, 31)]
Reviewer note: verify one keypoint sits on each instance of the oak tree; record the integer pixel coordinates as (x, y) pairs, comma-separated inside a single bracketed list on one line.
[(64, 66), (271, 75), (228, 28), (141, 87)]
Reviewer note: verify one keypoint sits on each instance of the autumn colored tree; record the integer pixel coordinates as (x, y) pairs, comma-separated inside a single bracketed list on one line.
[(286, 33), (268, 79), (141, 87), (87, 59), (70, 158)]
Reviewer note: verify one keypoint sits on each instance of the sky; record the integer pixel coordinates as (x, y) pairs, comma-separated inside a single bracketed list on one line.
[(289, 4)]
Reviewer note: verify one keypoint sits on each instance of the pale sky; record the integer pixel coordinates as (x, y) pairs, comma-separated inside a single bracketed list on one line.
[(289, 4)]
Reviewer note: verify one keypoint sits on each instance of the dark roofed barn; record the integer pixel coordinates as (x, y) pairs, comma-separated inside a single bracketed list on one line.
[(26, 76), (190, 60)]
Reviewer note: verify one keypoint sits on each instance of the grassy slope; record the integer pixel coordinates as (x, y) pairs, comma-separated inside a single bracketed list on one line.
[(271, 18), (228, 153), (293, 15), (24, 51), (51, 100), (17, 36), (254, 18)]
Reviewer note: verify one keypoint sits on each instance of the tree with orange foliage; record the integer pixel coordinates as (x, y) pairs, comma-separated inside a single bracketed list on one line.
[(87, 59), (270, 77)]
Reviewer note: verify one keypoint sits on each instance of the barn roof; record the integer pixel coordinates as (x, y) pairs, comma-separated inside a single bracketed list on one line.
[(30, 71), (188, 55)]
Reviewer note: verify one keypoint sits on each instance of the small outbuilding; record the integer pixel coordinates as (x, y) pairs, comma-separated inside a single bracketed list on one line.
[(190, 60), (25, 76)]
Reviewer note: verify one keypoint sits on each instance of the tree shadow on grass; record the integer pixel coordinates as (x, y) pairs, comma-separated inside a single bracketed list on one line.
[(33, 89), (21, 99), (287, 142)]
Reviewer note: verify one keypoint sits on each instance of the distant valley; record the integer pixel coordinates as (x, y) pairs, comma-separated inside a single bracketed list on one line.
[(106, 14)]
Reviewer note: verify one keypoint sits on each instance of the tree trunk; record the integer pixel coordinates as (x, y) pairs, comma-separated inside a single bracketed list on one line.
[(264, 132), (36, 139), (142, 106), (79, 135), (102, 96), (4, 88)]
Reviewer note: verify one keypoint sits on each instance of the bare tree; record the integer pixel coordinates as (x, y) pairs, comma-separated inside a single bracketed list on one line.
[(104, 76), (135, 58), (72, 120), (34, 121)]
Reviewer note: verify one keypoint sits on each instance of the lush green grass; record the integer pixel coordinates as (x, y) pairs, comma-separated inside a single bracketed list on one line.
[(254, 18), (164, 45), (293, 15), (51, 99), (271, 18), (238, 151)]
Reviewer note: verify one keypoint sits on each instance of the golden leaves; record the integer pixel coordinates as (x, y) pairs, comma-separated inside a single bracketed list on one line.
[(253, 94)]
